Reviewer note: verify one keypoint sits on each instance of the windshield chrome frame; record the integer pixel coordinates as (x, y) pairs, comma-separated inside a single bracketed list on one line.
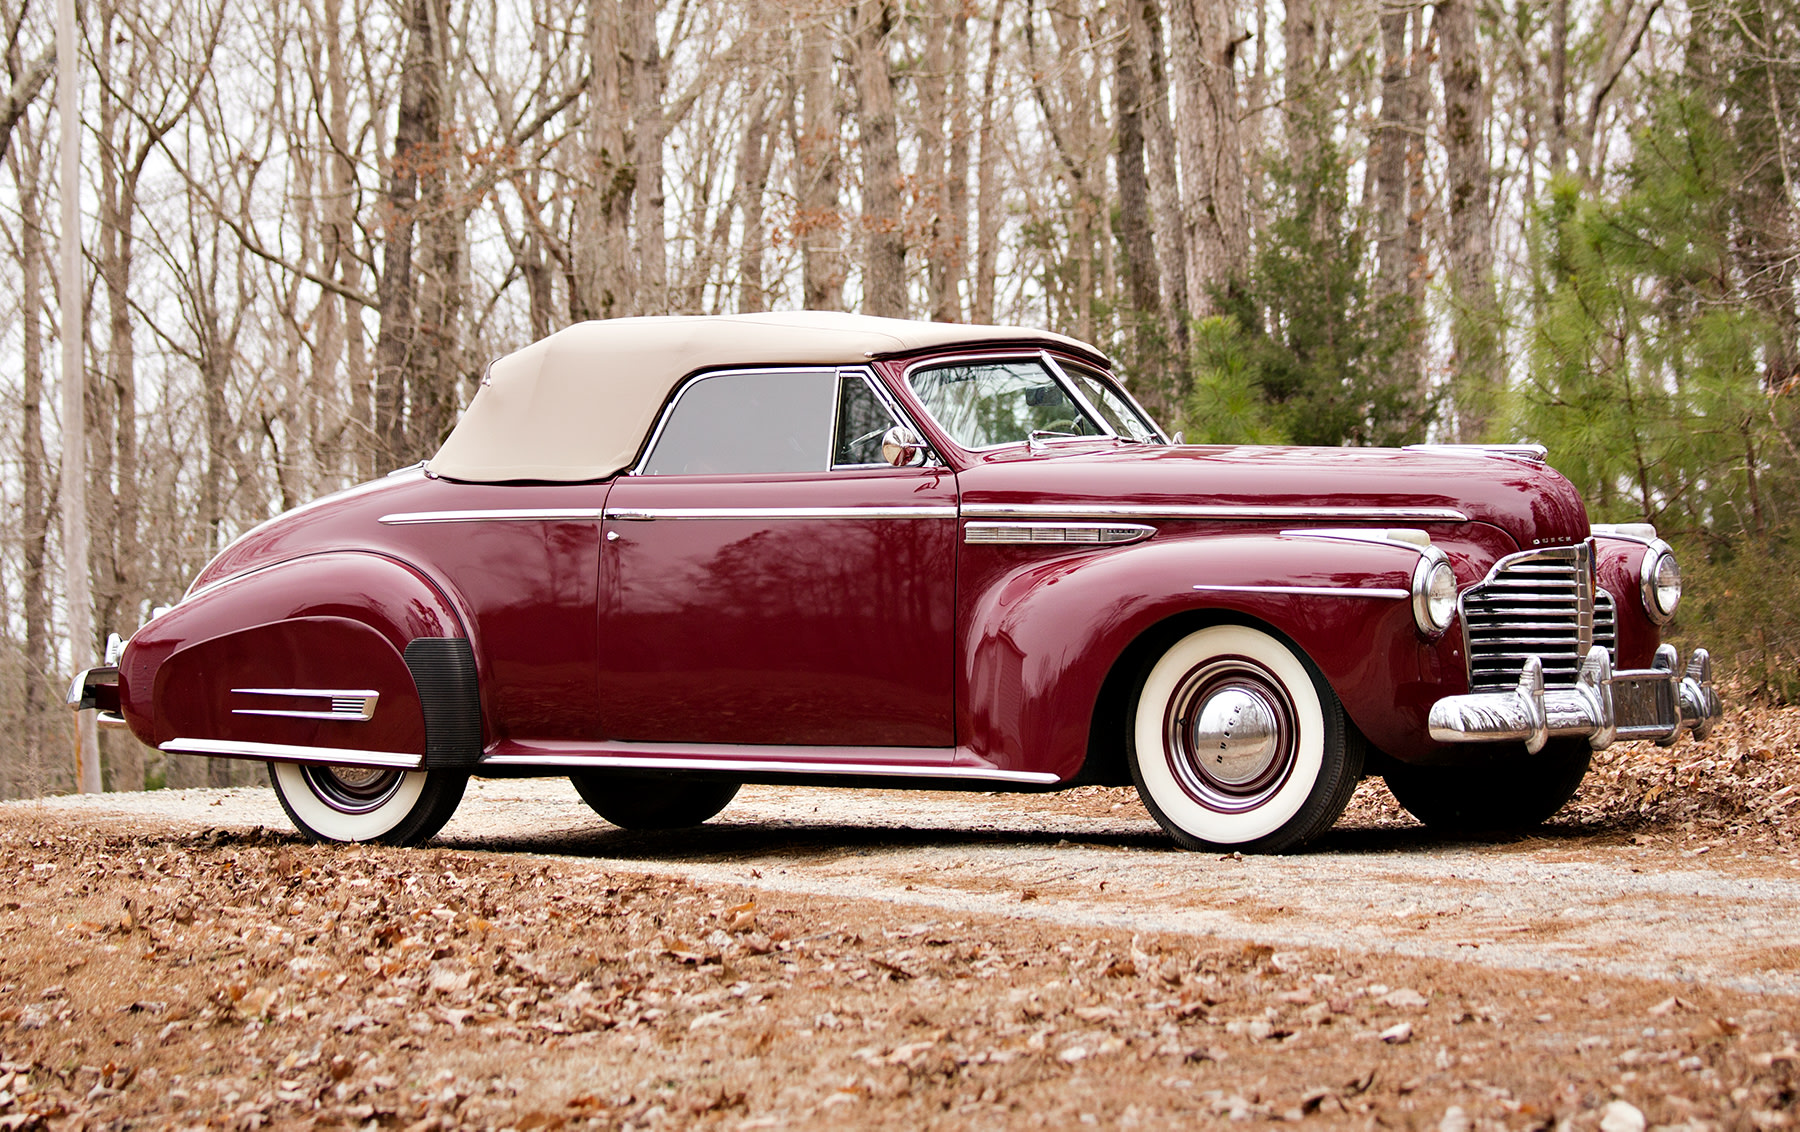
[(1119, 386), (1057, 375)]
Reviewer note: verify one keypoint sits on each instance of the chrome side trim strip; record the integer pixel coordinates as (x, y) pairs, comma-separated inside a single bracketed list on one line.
[(1393, 536), (637, 513), (1315, 591), (356, 706), (1235, 512), (1090, 534), (767, 766), (496, 515), (1531, 453), (286, 753)]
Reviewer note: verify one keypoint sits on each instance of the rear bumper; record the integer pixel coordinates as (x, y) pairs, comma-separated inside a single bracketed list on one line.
[(1660, 703), (97, 688)]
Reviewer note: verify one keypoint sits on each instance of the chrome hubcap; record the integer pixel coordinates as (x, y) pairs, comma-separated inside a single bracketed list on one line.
[(1229, 734), (1235, 734), (352, 789)]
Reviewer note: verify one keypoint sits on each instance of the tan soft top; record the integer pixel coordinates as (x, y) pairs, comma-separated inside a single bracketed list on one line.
[(576, 405)]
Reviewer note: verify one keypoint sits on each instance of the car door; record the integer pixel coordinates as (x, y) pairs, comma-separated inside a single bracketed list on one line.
[(769, 579)]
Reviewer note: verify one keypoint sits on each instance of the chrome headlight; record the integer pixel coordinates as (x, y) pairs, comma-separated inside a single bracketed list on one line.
[(1433, 592), (1659, 583)]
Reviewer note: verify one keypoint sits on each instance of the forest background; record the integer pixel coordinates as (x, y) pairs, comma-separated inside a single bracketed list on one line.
[(307, 226)]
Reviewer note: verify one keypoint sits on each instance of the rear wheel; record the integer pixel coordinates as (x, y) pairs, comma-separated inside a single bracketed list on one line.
[(650, 801), (354, 803), (1493, 796), (1237, 742)]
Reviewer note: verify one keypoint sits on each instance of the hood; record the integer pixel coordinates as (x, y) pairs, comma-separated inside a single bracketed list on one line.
[(1390, 487)]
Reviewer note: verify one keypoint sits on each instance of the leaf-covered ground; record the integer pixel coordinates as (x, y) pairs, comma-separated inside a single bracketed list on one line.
[(157, 979)]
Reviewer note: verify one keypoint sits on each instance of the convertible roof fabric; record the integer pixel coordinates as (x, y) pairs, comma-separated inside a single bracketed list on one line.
[(577, 405)]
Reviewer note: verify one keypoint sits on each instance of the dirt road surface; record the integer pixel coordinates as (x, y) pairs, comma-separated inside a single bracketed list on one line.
[(816, 957)]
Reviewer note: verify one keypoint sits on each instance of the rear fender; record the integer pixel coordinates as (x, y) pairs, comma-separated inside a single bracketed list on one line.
[(1044, 639), (325, 651)]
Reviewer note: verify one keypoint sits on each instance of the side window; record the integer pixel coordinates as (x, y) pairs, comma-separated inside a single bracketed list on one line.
[(748, 422), (862, 420)]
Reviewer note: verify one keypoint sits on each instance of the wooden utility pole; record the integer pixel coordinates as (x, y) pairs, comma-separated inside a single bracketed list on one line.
[(74, 383)]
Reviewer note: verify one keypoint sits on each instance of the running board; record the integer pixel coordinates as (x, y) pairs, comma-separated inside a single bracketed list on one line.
[(289, 753), (747, 759), (715, 758)]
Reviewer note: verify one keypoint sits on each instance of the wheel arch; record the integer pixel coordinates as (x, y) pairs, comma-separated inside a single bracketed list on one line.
[(1107, 763), (1053, 648)]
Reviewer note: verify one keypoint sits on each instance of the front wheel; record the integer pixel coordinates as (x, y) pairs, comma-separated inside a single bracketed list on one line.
[(1496, 796), (650, 801), (1237, 742), (354, 803)]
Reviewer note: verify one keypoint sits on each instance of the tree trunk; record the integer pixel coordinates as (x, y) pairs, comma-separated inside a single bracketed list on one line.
[(1135, 226), (604, 283), (1305, 102), (397, 344), (1165, 196), (819, 221), (987, 181), (1559, 87), (648, 129), (113, 442), (27, 778), (72, 326), (1213, 211), (883, 221), (943, 242), (1393, 130), (1474, 324), (951, 310), (752, 182)]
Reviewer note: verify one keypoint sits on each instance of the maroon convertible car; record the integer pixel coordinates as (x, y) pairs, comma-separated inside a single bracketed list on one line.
[(667, 556)]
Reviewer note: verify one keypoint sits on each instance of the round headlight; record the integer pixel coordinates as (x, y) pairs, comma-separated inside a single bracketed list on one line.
[(1661, 581), (1433, 593)]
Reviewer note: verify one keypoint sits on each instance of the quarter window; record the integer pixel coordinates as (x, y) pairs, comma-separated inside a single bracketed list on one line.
[(862, 421)]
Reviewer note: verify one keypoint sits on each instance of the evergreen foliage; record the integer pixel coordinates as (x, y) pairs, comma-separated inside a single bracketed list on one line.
[(1302, 352)]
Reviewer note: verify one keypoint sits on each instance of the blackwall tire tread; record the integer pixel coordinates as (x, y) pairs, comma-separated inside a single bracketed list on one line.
[(1496, 795), (651, 802)]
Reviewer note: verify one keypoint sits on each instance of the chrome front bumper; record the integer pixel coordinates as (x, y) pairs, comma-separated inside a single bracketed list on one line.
[(1658, 703)]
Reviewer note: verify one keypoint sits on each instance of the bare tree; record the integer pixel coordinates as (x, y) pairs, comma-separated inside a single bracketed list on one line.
[(878, 142), (1474, 323), (1213, 211)]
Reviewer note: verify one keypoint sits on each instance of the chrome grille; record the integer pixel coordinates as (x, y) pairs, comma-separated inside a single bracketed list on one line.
[(1539, 603)]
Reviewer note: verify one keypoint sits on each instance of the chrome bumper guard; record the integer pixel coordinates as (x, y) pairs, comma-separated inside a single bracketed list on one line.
[(97, 688), (1657, 703)]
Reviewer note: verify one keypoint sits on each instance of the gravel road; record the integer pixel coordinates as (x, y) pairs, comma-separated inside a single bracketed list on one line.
[(1567, 900)]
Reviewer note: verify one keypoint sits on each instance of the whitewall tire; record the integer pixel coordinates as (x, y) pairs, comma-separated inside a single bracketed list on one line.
[(342, 803), (1237, 742)]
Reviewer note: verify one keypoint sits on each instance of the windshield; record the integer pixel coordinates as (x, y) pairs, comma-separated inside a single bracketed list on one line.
[(1125, 418), (984, 404)]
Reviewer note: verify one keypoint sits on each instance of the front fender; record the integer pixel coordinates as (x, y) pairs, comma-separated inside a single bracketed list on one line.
[(250, 660), (1043, 638), (1618, 565)]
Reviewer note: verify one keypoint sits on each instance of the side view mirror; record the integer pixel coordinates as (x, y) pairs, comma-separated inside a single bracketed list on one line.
[(902, 447)]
